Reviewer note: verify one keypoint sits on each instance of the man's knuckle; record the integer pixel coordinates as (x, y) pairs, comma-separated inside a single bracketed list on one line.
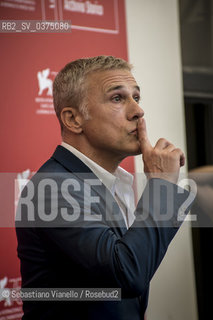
[(162, 140), (179, 150), (173, 156)]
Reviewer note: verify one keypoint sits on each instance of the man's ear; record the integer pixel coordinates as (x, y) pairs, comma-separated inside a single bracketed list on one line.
[(72, 120)]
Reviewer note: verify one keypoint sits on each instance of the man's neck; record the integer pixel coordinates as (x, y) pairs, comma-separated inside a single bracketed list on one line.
[(101, 157)]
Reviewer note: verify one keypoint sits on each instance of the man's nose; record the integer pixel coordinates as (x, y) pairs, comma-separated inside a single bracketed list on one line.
[(135, 111)]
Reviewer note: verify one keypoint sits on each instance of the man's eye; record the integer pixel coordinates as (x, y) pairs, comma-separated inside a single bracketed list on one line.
[(137, 98), (117, 98)]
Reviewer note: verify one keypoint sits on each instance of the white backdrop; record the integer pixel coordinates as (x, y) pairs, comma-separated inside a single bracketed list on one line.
[(154, 50)]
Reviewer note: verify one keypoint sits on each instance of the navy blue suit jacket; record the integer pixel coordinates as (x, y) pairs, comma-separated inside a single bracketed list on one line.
[(95, 250)]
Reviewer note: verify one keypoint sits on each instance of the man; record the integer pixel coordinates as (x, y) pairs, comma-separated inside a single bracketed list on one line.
[(80, 228)]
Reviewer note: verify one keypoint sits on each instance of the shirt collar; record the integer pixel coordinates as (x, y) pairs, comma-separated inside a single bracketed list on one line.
[(107, 178)]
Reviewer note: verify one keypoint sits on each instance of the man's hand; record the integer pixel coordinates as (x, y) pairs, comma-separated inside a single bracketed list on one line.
[(164, 160)]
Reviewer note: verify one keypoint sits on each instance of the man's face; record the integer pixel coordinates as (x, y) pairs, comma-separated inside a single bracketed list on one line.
[(113, 98)]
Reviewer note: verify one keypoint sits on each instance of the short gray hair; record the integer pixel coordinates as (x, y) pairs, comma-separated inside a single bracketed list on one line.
[(69, 89)]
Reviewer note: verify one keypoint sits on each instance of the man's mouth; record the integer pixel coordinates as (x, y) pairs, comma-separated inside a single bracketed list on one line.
[(134, 132)]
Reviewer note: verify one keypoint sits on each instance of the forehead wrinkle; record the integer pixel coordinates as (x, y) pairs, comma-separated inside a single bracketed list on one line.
[(111, 83), (114, 88), (103, 81)]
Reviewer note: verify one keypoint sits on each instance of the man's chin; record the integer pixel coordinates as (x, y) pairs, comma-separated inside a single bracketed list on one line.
[(130, 152), (135, 152)]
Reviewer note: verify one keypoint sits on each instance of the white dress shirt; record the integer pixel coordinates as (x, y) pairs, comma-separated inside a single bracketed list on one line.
[(119, 184)]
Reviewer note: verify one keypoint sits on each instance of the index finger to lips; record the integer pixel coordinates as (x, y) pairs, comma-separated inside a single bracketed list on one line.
[(142, 135)]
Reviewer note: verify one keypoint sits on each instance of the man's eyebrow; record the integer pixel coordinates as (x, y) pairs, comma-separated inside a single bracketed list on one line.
[(122, 87)]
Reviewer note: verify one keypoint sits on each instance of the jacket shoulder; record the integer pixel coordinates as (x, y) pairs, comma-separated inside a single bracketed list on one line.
[(52, 165)]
